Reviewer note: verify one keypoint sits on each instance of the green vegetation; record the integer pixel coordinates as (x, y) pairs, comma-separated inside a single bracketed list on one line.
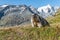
[(46, 33)]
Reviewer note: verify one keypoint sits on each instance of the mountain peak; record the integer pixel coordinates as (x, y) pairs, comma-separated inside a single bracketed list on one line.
[(46, 10), (4, 5), (48, 6)]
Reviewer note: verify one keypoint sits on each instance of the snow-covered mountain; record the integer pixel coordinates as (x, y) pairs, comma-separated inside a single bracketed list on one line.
[(47, 10)]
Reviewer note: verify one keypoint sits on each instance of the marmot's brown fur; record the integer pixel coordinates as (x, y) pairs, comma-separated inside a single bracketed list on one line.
[(38, 21)]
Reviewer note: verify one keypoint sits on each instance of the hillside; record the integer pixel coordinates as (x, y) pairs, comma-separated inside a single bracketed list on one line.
[(55, 20), (26, 32)]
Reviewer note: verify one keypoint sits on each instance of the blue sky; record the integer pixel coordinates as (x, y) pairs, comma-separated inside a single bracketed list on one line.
[(35, 3)]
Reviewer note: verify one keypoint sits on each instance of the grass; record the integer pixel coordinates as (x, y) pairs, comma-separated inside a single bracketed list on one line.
[(55, 19), (23, 33)]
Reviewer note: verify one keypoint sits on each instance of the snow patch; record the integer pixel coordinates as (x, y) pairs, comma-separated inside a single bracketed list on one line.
[(4, 5)]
